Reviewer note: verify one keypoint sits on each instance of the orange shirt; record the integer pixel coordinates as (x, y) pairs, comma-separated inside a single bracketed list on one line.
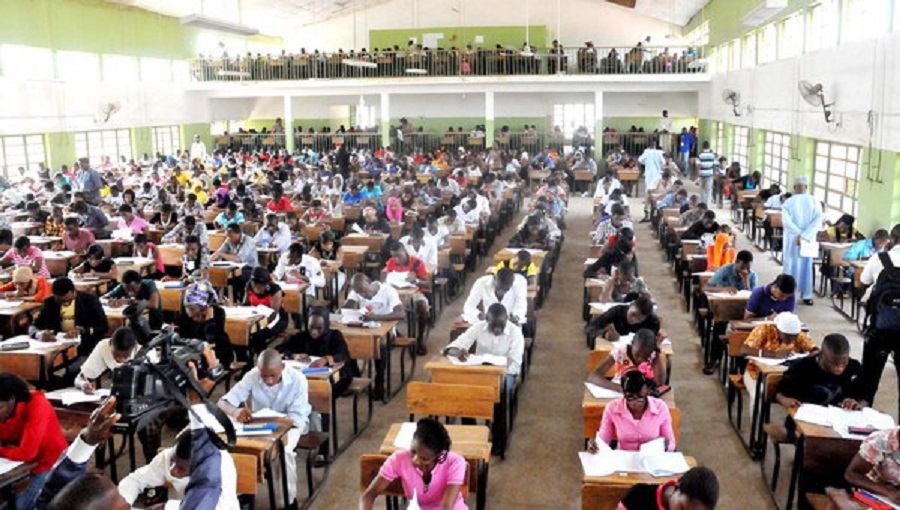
[(40, 286), (765, 337)]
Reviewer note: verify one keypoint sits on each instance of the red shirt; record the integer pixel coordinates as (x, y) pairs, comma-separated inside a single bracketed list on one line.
[(283, 204), (35, 432), (415, 264)]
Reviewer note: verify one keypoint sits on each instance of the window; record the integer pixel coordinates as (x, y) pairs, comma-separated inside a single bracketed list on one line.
[(120, 68), (699, 36), (27, 63), (837, 176), (96, 144), (166, 140), (740, 146), (572, 116), (749, 58), (736, 54), (791, 43), (21, 151), (777, 158), (767, 45), (722, 55), (864, 19), (365, 116), (77, 66), (155, 70), (720, 138), (822, 26)]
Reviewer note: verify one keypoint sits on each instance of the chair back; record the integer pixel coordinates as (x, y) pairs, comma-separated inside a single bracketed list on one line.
[(216, 240), (369, 466), (246, 467), (450, 400), (595, 496), (736, 341), (320, 396), (171, 255)]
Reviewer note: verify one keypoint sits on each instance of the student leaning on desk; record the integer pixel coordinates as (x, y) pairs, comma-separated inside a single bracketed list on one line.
[(877, 466), (642, 354), (636, 418), (428, 470), (622, 320), (698, 489), (495, 335)]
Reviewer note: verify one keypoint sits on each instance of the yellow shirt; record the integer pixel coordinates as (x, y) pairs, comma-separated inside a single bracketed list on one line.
[(183, 179), (531, 271), (202, 197), (68, 317)]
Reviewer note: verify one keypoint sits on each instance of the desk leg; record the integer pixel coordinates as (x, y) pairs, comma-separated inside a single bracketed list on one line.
[(795, 473), (284, 477), (481, 496), (756, 419), (303, 310), (501, 426), (113, 470), (270, 478), (334, 425)]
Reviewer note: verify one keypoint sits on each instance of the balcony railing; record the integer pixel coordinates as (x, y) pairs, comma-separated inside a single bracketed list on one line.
[(580, 61)]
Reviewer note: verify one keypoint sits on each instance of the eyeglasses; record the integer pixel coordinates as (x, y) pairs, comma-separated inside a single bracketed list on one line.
[(635, 398)]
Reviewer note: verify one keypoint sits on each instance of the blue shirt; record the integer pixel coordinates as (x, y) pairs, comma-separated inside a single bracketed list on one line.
[(290, 396), (761, 303), (351, 199), (727, 276), (686, 142), (862, 249)]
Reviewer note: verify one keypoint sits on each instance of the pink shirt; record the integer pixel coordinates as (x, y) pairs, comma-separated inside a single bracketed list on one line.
[(450, 472), (31, 255), (617, 423), (137, 225)]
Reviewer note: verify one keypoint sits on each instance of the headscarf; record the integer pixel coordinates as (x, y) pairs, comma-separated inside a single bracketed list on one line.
[(200, 293), (717, 255), (394, 209)]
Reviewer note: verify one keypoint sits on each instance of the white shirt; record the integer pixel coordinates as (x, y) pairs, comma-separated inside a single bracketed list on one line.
[(99, 361), (510, 343), (308, 266), (428, 251), (665, 123), (281, 239), (198, 150), (873, 266), (440, 237), (470, 217), (601, 190), (484, 205), (157, 473), (383, 302), (515, 300)]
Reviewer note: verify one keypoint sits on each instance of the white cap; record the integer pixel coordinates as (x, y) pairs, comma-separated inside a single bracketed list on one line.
[(802, 180), (788, 323)]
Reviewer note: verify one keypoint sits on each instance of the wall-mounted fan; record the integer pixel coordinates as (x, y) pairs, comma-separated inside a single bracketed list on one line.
[(106, 111), (815, 96), (733, 99)]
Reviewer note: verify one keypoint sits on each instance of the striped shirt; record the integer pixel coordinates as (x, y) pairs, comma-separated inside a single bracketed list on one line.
[(707, 162)]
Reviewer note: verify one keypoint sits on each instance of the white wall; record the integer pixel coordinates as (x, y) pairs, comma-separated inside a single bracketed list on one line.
[(648, 104), (858, 78), (579, 21)]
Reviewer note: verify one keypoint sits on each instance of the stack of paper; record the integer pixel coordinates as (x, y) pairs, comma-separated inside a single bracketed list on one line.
[(841, 420), (399, 280), (741, 294), (267, 413), (174, 284), (601, 392), (7, 465), (480, 359), (9, 304), (301, 365), (652, 459), (349, 315), (405, 436), (71, 396)]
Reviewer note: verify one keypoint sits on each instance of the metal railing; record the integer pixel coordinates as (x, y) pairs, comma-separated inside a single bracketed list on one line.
[(634, 143), (317, 141), (441, 62)]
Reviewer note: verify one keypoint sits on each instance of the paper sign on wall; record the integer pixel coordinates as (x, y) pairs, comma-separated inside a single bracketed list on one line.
[(431, 40), (479, 39)]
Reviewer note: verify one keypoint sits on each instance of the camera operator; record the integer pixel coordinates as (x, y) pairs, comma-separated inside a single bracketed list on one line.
[(270, 386), (70, 487)]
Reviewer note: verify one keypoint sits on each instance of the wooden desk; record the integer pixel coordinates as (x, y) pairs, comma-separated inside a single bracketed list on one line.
[(26, 228), (97, 286), (143, 266), (373, 242), (605, 492), (35, 365), (45, 242), (821, 454), (8, 317), (266, 448), (58, 262), (11, 478), (768, 377), (239, 326), (352, 256), (443, 371), (537, 256)]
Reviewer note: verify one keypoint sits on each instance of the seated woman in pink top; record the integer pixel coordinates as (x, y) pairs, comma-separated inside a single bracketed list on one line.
[(130, 221), (24, 254), (636, 418), (642, 353), (394, 210), (429, 469)]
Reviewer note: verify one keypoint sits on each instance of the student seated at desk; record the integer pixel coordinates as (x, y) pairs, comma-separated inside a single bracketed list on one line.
[(172, 467), (454, 224), (842, 231), (373, 223), (263, 291), (698, 489), (707, 225), (228, 216), (694, 212), (721, 252), (778, 339), (532, 236), (609, 225), (504, 287), (134, 289), (496, 335), (202, 318), (188, 226), (642, 354), (75, 238), (437, 231), (379, 302), (428, 469), (25, 285), (829, 378), (96, 265), (866, 248), (636, 418), (733, 277), (622, 320), (23, 254), (295, 266), (420, 245), (110, 354), (623, 285), (621, 252), (877, 467), (130, 222), (238, 248), (416, 273), (521, 264), (270, 385), (320, 340), (143, 248), (769, 300), (74, 313), (274, 234), (29, 432)]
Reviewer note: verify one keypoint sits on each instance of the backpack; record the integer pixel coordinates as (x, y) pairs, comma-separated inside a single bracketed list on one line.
[(884, 301)]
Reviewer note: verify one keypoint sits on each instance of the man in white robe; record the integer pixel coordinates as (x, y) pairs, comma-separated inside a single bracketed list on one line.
[(802, 217), (653, 161)]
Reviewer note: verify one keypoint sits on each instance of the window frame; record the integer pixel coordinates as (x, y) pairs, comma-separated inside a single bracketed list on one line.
[(166, 139), (85, 144), (741, 152), (825, 185), (32, 146), (776, 158)]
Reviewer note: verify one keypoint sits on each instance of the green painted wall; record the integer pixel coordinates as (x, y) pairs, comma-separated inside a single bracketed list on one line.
[(725, 17), (60, 149), (98, 26), (141, 141), (514, 36), (189, 130)]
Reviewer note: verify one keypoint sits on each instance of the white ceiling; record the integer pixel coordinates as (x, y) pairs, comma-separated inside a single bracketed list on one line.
[(677, 12)]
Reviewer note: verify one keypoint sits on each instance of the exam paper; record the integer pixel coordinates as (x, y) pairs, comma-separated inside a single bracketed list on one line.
[(809, 249), (71, 396), (600, 392), (741, 294), (405, 436), (268, 413), (7, 465), (479, 359), (398, 279)]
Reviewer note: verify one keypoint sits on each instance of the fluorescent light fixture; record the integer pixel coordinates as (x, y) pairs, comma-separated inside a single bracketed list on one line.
[(353, 62), (413, 70), (233, 74), (763, 12), (205, 22)]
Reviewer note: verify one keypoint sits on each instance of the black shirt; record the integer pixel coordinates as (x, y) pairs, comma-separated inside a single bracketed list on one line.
[(212, 331), (699, 229), (331, 344), (611, 257), (618, 317), (644, 496), (808, 383)]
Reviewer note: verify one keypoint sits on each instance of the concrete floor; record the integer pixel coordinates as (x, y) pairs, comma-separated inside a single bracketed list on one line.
[(541, 470)]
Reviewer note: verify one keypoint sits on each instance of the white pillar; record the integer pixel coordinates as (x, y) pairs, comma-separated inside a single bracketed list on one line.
[(598, 118), (488, 119), (288, 121), (385, 117)]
